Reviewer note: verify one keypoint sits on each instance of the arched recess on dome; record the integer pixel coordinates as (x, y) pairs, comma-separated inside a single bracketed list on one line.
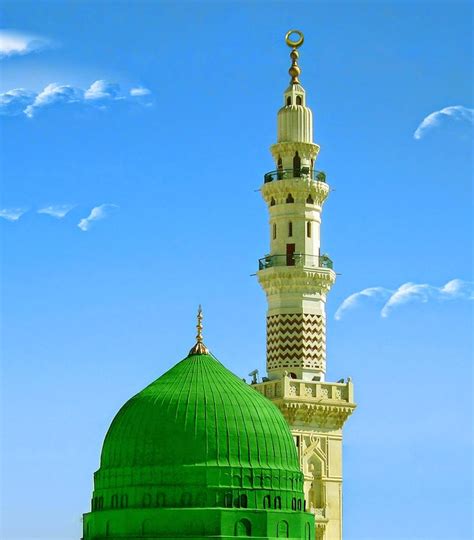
[(124, 501), (114, 502), (228, 500), (243, 501), (243, 527), (267, 502), (307, 534), (290, 199), (160, 499), (186, 500), (283, 529), (147, 527), (147, 499)]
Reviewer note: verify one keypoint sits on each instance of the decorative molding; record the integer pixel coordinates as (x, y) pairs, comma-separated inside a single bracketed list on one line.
[(300, 188), (297, 280), (305, 150)]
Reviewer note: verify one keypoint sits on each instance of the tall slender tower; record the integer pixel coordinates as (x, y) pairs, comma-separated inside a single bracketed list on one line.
[(296, 278)]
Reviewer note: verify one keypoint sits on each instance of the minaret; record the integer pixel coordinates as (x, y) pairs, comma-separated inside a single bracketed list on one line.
[(296, 277)]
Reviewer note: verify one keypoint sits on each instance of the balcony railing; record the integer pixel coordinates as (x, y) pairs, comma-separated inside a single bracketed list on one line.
[(303, 172), (295, 259)]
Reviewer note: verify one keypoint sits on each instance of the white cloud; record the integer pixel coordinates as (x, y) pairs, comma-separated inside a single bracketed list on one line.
[(102, 90), (13, 43), (54, 94), (352, 300), (100, 94), (455, 112), (407, 293), (97, 213), (12, 214), (140, 91), (58, 211)]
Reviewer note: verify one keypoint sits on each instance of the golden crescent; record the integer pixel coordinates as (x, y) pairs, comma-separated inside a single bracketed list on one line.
[(294, 44)]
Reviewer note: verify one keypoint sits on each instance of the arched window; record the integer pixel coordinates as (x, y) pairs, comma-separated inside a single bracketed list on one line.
[(266, 501), (280, 163), (288, 100), (107, 528), (272, 202), (160, 500), (243, 528), (290, 199), (293, 503), (299, 504), (310, 200), (308, 531), (186, 500), (283, 530), (243, 502), (147, 499), (114, 501), (124, 501), (299, 101), (308, 229), (278, 503), (290, 228), (274, 231), (296, 165), (228, 500), (292, 375)]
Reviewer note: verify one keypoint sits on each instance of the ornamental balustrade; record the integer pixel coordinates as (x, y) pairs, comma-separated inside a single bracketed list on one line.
[(295, 259), (303, 172)]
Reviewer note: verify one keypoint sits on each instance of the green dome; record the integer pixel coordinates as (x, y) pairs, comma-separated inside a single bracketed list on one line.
[(199, 412)]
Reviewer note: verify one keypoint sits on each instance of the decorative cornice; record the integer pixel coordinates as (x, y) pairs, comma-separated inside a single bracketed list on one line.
[(300, 188), (305, 150), (324, 415), (298, 280)]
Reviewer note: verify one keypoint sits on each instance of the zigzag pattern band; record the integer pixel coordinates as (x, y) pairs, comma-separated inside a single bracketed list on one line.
[(296, 340)]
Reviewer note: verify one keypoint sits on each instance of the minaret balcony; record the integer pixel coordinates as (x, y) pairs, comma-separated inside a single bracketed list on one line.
[(295, 259), (303, 172)]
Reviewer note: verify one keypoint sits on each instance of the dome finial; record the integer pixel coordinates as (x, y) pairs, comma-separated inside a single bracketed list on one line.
[(294, 70), (199, 348)]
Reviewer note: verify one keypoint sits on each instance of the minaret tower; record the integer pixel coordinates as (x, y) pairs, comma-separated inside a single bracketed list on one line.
[(296, 277)]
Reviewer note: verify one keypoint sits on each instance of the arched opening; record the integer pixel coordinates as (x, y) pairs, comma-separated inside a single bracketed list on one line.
[(288, 101), (293, 503), (107, 528), (290, 228), (277, 503), (283, 530), (272, 202), (308, 531), (308, 229), (299, 101), (266, 501), (243, 528), (124, 501), (292, 375), (147, 499), (186, 500), (274, 234), (114, 501), (243, 501), (290, 199), (160, 500), (310, 200), (296, 165), (299, 504), (228, 500)]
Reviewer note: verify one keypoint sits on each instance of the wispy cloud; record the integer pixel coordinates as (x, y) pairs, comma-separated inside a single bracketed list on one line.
[(97, 213), (454, 112), (12, 214), (140, 91), (14, 43), (58, 210), (352, 301), (408, 293), (100, 94)]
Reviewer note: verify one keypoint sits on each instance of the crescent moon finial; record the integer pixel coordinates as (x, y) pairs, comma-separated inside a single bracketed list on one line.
[(294, 70)]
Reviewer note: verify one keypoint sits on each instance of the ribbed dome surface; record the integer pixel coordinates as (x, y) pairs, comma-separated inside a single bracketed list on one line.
[(198, 412)]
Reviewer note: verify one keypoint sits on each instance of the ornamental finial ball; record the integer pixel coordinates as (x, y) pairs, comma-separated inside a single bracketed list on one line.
[(294, 70)]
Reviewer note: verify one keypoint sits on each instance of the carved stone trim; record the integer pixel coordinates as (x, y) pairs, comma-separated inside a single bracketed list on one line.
[(298, 280)]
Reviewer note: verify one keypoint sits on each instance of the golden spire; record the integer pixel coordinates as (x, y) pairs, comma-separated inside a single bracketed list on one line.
[(294, 70), (199, 348)]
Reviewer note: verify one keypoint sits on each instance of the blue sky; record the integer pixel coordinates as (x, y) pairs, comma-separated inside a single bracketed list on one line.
[(159, 164)]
